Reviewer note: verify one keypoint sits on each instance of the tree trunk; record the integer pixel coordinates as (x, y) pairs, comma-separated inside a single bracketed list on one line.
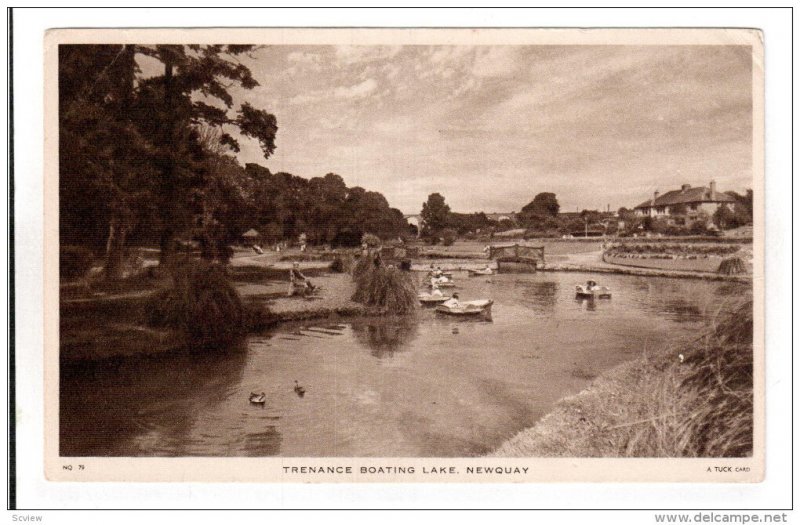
[(115, 250), (167, 246), (167, 243)]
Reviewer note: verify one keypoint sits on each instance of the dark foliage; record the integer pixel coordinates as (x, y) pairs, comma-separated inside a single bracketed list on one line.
[(201, 302), (75, 261)]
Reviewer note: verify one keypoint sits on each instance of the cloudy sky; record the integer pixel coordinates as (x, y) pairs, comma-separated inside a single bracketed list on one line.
[(490, 126)]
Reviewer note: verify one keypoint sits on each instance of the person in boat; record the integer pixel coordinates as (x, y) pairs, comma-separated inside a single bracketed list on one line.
[(436, 292), (452, 302), (591, 286)]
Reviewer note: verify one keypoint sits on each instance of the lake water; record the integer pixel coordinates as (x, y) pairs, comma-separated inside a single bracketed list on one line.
[(410, 386)]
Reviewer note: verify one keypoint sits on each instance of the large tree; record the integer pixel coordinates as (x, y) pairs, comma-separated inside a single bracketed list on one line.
[(193, 90), (435, 214), (131, 144), (105, 174), (540, 210), (544, 204)]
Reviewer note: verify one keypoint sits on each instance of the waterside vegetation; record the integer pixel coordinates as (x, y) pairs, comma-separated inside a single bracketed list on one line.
[(692, 399)]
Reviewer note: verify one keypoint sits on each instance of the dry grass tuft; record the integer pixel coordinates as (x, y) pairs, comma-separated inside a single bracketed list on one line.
[(201, 302), (732, 266), (389, 290)]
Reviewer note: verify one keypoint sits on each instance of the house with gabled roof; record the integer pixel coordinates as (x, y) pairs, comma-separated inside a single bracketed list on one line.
[(687, 203)]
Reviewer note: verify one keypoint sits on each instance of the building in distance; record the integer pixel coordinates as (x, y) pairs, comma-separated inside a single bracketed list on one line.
[(682, 206)]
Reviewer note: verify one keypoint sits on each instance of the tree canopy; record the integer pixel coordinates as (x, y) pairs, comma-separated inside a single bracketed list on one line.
[(435, 214), (544, 204), (147, 158)]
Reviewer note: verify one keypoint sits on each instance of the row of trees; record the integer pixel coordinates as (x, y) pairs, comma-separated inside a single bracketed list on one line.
[(440, 221), (542, 217), (283, 206), (148, 159)]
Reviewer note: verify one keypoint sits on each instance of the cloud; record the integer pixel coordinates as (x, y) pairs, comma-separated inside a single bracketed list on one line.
[(358, 90), (495, 61), (490, 126), (303, 57), (349, 55), (355, 91)]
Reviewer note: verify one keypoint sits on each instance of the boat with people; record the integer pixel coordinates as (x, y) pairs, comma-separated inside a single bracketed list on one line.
[(427, 299), (484, 271), (475, 308), (442, 282), (432, 298), (438, 272), (591, 290)]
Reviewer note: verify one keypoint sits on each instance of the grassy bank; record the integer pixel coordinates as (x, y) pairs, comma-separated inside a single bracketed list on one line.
[(689, 399), (112, 325)]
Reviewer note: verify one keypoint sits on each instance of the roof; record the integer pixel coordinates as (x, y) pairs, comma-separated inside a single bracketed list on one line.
[(687, 196), (251, 233)]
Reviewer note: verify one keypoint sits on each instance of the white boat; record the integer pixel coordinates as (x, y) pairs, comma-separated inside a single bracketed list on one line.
[(432, 299), (592, 292), (441, 282), (476, 273), (468, 308)]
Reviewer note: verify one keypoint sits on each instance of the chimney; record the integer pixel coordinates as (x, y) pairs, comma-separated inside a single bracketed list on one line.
[(713, 186), (685, 187), (655, 196)]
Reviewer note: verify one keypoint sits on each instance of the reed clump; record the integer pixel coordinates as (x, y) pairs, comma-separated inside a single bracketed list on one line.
[(201, 302), (732, 266), (389, 290)]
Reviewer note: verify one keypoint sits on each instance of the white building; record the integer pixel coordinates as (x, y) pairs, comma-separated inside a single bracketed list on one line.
[(687, 203)]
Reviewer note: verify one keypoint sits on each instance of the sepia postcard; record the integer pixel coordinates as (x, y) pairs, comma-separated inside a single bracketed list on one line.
[(404, 255)]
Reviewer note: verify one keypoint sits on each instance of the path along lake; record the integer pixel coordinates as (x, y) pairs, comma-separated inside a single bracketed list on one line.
[(416, 386)]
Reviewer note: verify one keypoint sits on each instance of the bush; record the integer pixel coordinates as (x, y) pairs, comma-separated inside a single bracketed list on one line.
[(202, 303), (448, 236), (74, 261)]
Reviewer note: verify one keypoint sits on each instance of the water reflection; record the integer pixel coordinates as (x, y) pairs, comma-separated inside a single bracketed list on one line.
[(385, 335), (587, 303), (146, 402), (539, 295), (414, 386)]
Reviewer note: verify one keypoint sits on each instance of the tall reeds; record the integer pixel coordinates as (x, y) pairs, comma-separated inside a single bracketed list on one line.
[(732, 266), (701, 404), (387, 289), (201, 302)]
